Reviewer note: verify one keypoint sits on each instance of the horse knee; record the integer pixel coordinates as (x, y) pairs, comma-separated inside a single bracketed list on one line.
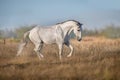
[(36, 49)]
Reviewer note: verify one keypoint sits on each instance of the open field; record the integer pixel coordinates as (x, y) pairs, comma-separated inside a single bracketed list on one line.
[(93, 59)]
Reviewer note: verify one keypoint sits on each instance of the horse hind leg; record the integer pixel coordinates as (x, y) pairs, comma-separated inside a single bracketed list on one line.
[(37, 49), (21, 46)]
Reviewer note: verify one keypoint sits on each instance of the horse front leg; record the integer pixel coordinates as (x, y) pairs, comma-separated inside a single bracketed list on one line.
[(71, 50), (60, 50)]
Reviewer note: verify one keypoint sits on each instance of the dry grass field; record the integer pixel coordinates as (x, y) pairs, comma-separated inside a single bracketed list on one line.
[(93, 59)]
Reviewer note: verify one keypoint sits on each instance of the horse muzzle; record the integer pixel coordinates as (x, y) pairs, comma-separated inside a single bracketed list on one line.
[(79, 39)]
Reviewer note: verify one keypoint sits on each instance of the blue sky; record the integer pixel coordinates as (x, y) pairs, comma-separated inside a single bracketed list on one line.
[(93, 14)]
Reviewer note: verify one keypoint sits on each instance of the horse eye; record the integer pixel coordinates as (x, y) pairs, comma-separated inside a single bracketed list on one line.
[(78, 30)]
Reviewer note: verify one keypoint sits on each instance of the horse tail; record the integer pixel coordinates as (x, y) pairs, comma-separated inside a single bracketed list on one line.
[(23, 43)]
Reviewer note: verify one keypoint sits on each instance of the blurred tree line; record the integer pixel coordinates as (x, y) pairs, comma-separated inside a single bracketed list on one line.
[(17, 33), (21, 30), (110, 31)]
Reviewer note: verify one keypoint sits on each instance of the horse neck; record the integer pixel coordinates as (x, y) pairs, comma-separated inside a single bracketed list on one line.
[(67, 29)]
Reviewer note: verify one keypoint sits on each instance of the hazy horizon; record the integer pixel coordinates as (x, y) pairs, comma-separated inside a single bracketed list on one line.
[(92, 13)]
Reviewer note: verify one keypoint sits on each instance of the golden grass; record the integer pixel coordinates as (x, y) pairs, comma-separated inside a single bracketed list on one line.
[(93, 59)]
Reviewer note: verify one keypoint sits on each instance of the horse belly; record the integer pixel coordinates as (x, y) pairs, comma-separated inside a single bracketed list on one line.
[(48, 38)]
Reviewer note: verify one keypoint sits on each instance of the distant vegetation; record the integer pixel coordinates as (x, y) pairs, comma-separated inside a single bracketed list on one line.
[(21, 30), (110, 31), (16, 33)]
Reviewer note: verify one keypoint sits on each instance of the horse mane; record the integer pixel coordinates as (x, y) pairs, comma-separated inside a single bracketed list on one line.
[(78, 23)]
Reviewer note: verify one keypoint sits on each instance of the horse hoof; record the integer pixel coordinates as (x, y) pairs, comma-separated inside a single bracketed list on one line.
[(69, 56)]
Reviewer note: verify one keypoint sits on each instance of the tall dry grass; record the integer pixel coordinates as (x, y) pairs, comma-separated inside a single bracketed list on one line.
[(93, 59)]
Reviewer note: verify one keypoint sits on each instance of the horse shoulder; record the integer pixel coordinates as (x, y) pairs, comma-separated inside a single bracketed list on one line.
[(59, 31), (59, 34)]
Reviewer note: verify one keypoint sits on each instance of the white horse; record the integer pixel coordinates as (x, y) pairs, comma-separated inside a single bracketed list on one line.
[(59, 34)]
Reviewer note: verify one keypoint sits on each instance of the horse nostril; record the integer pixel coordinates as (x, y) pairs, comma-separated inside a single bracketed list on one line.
[(79, 39)]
